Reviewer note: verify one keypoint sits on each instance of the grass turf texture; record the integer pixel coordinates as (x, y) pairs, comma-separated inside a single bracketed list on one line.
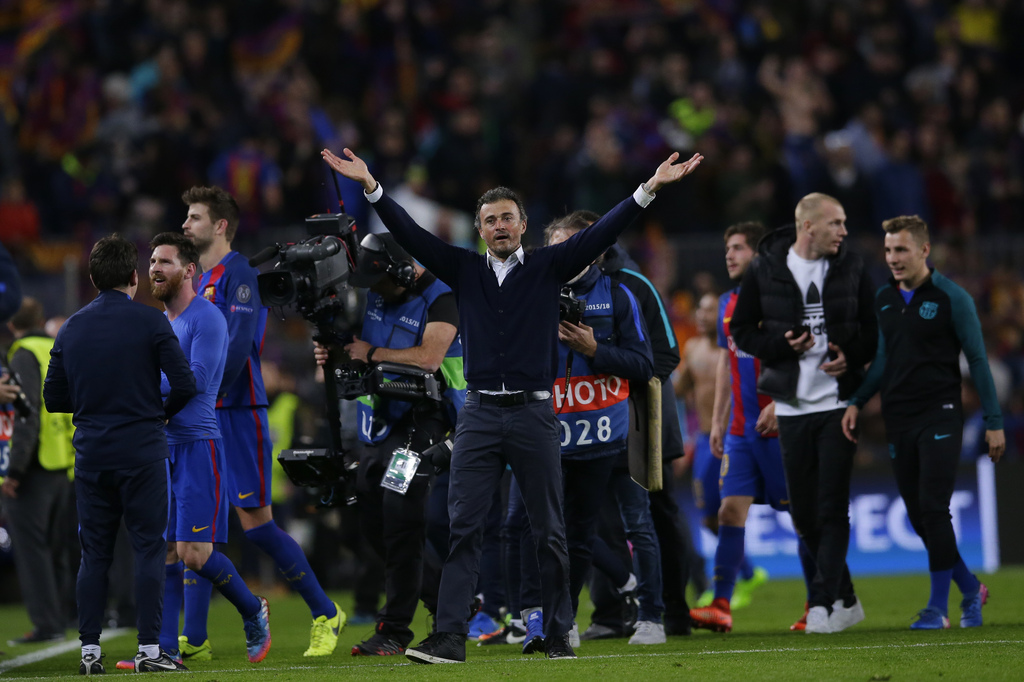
[(761, 647)]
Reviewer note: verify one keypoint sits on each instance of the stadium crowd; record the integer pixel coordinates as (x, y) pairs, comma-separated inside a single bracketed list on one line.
[(894, 107)]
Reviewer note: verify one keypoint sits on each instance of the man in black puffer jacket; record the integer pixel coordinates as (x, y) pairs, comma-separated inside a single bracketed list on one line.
[(805, 311)]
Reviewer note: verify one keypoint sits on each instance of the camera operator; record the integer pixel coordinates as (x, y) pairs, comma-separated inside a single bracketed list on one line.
[(411, 318)]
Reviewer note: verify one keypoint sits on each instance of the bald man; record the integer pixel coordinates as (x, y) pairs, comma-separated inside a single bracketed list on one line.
[(805, 310)]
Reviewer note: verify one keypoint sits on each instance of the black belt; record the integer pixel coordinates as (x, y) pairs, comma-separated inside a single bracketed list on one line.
[(509, 399)]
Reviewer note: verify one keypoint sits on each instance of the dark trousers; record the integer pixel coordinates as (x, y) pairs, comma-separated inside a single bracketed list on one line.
[(818, 459), (138, 495), (924, 461), (586, 489), (37, 520), (526, 438), (395, 525), (608, 604), (677, 551)]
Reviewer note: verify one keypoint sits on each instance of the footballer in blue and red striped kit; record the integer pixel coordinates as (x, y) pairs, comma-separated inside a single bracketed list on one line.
[(752, 470), (229, 282)]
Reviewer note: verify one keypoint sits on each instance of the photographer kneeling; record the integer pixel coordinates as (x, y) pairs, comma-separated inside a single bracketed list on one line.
[(411, 318)]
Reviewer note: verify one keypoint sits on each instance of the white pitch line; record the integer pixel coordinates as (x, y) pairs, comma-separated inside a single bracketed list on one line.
[(55, 650), (524, 659)]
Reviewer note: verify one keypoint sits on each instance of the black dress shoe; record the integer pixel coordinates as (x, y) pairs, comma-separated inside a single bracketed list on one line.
[(558, 647), (440, 647)]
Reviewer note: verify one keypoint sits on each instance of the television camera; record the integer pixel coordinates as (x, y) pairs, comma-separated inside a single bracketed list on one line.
[(312, 277)]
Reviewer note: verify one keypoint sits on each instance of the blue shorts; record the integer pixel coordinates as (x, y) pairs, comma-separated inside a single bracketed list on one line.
[(752, 466), (197, 509), (705, 477), (248, 454)]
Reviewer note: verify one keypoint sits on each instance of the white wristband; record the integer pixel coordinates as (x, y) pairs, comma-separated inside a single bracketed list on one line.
[(642, 197), (374, 196)]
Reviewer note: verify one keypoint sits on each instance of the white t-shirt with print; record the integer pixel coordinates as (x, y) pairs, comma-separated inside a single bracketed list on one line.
[(815, 390)]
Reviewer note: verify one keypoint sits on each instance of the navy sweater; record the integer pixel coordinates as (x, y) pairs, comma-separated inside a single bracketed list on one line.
[(509, 332), (105, 368)]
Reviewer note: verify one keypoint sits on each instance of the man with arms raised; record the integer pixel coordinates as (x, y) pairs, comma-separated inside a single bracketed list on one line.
[(508, 314)]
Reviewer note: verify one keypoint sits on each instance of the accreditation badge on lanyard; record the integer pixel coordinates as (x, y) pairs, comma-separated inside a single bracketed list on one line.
[(401, 470)]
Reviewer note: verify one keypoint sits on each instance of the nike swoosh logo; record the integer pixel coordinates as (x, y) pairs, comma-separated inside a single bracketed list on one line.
[(242, 497), (727, 319), (938, 437), (196, 530), (886, 306)]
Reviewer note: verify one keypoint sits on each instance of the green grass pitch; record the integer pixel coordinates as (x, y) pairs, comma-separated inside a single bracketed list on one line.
[(761, 647)]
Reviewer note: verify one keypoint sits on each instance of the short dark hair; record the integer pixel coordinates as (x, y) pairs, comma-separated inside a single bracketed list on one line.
[(494, 195), (187, 251), (572, 223), (913, 224), (220, 204), (112, 261), (29, 316), (751, 230)]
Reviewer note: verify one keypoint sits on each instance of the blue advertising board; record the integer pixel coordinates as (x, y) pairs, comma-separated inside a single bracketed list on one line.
[(881, 538)]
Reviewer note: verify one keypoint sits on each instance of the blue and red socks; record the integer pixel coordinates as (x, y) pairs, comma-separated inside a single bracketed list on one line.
[(728, 557), (939, 598), (964, 579), (219, 570), (294, 566), (198, 591), (174, 594)]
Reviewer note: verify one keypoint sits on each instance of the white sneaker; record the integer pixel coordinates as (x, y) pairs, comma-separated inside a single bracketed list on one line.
[(574, 636), (818, 621), (648, 633), (630, 585), (843, 617)]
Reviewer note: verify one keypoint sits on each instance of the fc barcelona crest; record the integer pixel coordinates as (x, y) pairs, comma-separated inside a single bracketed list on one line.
[(928, 309), (210, 292)]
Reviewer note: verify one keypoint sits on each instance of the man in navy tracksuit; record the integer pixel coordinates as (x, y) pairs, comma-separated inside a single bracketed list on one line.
[(508, 318), (924, 321), (105, 369)]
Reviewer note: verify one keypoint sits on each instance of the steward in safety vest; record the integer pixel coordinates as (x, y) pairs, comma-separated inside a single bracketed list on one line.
[(47, 439)]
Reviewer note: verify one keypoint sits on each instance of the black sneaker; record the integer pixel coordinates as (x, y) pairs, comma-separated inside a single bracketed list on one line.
[(440, 647), (161, 664), (558, 647), (91, 665), (36, 637), (378, 645)]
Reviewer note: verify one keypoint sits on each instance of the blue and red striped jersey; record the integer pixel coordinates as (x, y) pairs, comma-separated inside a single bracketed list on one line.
[(744, 370), (231, 286)]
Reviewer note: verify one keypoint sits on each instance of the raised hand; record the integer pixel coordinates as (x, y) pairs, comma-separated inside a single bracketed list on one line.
[(352, 167), (669, 171)]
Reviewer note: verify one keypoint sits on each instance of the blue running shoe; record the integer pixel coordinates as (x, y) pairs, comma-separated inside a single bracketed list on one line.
[(257, 633), (534, 642), (482, 624), (970, 608), (930, 618)]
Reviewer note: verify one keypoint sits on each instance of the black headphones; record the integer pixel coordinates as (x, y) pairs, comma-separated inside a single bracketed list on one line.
[(402, 271)]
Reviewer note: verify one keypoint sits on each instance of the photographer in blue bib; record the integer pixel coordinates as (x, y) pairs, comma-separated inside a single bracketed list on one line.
[(603, 345), (411, 319)]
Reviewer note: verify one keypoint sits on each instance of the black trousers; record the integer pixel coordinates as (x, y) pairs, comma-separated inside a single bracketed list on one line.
[(526, 438), (818, 460), (394, 524), (677, 551), (924, 461), (104, 497), (37, 520)]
